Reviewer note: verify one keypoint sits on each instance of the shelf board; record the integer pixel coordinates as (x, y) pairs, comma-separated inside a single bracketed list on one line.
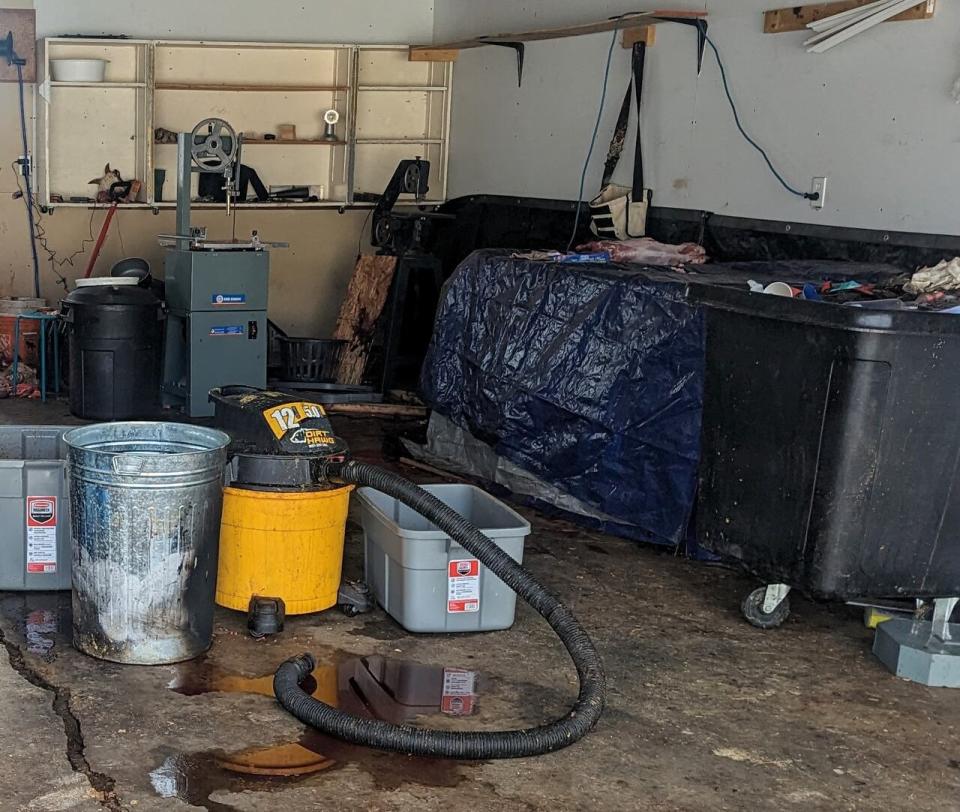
[(614, 24), (317, 142), (399, 140), (314, 141), (424, 88), (101, 42), (249, 88), (98, 84), (322, 204), (103, 206), (247, 45)]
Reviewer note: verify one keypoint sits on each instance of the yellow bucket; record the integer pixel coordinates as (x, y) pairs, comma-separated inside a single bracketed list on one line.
[(282, 544)]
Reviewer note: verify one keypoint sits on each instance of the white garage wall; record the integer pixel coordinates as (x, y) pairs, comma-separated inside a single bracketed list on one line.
[(875, 114), (388, 21)]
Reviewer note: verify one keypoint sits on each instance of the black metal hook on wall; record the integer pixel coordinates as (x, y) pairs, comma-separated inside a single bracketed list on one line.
[(520, 48), (701, 26)]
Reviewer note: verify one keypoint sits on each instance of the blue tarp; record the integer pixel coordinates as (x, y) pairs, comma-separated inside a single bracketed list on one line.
[(588, 376)]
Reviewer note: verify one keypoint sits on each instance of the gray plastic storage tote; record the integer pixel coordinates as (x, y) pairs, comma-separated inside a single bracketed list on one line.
[(425, 580)]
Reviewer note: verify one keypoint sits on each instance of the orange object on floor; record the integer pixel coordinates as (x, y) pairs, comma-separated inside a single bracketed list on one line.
[(29, 340)]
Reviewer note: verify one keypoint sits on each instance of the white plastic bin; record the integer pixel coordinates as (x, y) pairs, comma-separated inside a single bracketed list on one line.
[(425, 580)]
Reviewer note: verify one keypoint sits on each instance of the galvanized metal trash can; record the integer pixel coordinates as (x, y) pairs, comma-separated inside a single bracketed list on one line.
[(145, 502)]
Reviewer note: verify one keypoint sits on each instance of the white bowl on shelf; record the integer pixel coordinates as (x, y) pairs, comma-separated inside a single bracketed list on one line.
[(104, 281), (78, 70)]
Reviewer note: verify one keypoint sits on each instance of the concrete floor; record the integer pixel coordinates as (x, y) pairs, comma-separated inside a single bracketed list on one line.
[(704, 712)]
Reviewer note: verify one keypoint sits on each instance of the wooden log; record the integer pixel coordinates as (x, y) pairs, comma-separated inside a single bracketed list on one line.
[(361, 310)]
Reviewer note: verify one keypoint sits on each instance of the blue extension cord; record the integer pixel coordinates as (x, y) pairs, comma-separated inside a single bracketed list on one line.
[(593, 140), (28, 197), (749, 140)]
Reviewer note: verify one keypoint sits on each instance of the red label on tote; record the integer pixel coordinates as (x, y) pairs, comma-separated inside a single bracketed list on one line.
[(42, 534), (463, 586)]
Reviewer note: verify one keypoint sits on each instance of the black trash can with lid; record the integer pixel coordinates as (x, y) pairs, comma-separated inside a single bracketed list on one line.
[(115, 332), (831, 445)]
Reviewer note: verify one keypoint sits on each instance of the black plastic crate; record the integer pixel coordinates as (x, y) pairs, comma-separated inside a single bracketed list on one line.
[(310, 360)]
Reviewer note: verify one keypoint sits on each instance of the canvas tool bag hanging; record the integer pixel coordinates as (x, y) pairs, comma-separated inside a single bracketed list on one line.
[(620, 212)]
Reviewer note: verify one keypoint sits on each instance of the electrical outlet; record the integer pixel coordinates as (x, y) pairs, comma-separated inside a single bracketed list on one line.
[(23, 164), (819, 188)]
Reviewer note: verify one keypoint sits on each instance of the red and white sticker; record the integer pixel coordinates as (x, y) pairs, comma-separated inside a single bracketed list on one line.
[(459, 682), (463, 586), (459, 692), (42, 534)]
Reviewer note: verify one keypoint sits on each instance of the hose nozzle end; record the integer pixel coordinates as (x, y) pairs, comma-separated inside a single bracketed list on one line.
[(304, 663), (333, 469)]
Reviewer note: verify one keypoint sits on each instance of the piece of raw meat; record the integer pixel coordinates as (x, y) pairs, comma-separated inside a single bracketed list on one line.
[(648, 251)]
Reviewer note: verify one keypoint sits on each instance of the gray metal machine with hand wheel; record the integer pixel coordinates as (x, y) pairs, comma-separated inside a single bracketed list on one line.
[(216, 290)]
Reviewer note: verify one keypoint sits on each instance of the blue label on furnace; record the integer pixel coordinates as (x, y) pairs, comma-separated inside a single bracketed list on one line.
[(228, 298), (227, 330)]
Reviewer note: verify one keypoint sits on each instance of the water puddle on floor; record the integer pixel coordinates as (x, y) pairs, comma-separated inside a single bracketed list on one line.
[(373, 687), (42, 621)]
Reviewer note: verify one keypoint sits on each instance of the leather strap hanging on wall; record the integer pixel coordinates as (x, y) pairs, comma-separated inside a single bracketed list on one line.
[(619, 212)]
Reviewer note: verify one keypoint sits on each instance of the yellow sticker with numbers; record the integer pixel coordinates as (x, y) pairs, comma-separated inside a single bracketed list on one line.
[(287, 416)]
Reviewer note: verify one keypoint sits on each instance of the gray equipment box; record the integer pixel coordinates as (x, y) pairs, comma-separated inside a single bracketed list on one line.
[(216, 325), (34, 509), (425, 580), (220, 281)]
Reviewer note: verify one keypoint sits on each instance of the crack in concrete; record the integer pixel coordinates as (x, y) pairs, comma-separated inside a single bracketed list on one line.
[(103, 784)]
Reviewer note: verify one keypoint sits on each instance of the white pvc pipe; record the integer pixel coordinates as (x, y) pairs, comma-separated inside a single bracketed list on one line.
[(863, 25), (846, 17)]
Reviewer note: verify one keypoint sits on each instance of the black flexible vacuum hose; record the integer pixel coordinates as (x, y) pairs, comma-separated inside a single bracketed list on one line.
[(442, 743)]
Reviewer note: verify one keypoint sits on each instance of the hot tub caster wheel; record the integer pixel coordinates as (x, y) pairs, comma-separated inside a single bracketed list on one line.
[(767, 607)]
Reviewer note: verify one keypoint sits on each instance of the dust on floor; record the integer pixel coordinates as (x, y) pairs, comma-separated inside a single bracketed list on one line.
[(704, 712)]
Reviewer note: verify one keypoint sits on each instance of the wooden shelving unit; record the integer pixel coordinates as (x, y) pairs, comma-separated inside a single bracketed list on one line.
[(390, 109), (81, 126), (402, 110)]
